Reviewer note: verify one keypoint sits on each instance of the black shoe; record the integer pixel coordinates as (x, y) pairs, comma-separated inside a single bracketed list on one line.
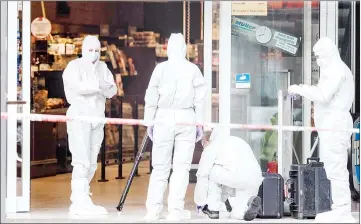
[(211, 214), (228, 206), (254, 205)]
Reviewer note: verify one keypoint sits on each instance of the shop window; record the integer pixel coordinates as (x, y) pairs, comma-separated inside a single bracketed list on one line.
[(268, 46)]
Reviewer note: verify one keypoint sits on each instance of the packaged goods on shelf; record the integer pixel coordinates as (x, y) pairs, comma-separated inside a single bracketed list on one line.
[(144, 39), (112, 131), (69, 49), (132, 30), (120, 61), (60, 62), (119, 83), (40, 99), (157, 37), (63, 47), (54, 103), (191, 50), (131, 41), (44, 67), (161, 50), (53, 48), (78, 41)]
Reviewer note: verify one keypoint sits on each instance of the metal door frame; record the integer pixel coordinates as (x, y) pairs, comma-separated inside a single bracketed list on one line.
[(207, 58), (14, 203), (225, 40), (3, 65)]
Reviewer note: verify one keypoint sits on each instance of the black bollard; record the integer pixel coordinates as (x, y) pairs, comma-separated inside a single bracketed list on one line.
[(136, 131), (102, 178), (120, 150)]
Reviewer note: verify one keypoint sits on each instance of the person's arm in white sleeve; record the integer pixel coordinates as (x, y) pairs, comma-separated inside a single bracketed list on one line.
[(110, 91), (323, 92), (201, 191), (199, 95), (206, 163), (72, 79), (151, 95)]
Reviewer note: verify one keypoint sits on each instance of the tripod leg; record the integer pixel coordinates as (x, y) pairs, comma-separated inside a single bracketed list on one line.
[(133, 172)]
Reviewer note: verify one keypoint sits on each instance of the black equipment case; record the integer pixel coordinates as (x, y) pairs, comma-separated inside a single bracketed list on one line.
[(271, 193), (309, 189)]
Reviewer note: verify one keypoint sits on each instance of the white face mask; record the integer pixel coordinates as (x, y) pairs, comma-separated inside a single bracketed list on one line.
[(320, 62), (92, 56)]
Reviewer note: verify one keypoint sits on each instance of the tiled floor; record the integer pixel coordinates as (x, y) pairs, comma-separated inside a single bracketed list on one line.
[(50, 200)]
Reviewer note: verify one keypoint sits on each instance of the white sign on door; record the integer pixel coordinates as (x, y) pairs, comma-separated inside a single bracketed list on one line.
[(40, 27), (249, 8)]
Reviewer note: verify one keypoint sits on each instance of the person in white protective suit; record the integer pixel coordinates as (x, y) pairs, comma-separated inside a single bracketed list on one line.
[(175, 93), (228, 178), (332, 97), (87, 84)]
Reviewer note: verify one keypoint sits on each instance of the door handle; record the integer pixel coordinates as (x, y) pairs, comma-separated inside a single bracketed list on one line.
[(20, 102)]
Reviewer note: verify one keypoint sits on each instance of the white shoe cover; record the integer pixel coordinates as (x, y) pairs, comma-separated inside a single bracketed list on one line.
[(335, 216), (86, 209), (223, 213), (100, 210), (151, 217), (348, 219), (181, 215), (84, 206)]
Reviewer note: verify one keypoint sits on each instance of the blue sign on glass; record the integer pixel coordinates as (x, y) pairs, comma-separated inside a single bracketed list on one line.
[(357, 137), (243, 81), (356, 148)]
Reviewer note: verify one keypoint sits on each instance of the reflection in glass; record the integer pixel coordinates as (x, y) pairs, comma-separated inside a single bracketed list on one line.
[(270, 49)]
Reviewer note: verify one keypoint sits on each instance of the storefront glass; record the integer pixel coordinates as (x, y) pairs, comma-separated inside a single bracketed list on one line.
[(3, 21), (268, 53), (19, 135), (348, 27), (344, 31), (215, 61), (347, 42)]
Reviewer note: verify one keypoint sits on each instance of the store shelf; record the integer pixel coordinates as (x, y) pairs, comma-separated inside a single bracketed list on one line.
[(64, 54)]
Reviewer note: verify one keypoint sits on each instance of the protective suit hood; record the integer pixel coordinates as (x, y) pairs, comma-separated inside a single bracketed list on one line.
[(177, 48), (90, 44), (326, 51)]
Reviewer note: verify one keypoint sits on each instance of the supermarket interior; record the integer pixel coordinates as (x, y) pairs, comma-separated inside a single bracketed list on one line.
[(134, 37), (133, 41)]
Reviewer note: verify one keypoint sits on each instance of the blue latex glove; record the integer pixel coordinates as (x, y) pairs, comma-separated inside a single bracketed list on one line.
[(199, 135), (199, 209), (150, 132), (293, 96), (294, 90)]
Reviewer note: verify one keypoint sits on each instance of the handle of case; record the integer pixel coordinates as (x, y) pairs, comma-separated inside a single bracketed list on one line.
[(313, 159), (289, 190)]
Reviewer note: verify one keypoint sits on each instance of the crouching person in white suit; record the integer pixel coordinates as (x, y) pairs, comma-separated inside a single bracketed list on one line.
[(228, 178)]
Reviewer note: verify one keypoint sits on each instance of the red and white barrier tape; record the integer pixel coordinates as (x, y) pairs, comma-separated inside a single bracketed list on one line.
[(118, 121)]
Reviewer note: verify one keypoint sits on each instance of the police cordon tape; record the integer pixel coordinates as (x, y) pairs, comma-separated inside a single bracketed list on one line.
[(124, 121)]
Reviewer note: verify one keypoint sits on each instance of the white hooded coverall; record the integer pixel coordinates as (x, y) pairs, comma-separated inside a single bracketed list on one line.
[(87, 84), (175, 93), (227, 165), (332, 97)]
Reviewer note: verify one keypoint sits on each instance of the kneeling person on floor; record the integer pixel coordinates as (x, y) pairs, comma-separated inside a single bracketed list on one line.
[(228, 178)]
